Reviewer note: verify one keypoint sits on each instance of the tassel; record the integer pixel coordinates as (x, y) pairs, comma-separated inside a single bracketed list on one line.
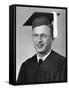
[(55, 33)]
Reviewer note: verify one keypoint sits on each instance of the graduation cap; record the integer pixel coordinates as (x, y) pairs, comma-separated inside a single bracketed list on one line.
[(41, 18)]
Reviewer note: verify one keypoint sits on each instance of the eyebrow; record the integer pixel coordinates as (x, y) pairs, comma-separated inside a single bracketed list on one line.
[(39, 34)]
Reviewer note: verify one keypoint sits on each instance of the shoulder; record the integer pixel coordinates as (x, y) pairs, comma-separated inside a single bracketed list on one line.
[(58, 59), (29, 61), (57, 55)]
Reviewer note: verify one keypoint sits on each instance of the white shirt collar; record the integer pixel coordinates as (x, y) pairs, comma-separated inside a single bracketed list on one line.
[(44, 56)]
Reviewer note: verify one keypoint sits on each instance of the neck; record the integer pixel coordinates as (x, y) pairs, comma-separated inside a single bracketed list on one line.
[(42, 54)]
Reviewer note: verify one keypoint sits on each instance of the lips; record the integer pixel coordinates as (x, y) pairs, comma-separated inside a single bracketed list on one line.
[(40, 45)]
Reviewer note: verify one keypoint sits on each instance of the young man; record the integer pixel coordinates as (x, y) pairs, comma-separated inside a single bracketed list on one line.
[(46, 66)]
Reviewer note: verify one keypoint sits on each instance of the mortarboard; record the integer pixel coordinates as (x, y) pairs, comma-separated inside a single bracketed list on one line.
[(41, 18)]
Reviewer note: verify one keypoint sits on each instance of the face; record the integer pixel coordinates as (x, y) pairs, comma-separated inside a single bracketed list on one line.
[(42, 38)]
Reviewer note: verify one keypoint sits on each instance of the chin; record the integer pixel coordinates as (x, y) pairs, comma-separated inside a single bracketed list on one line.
[(40, 50)]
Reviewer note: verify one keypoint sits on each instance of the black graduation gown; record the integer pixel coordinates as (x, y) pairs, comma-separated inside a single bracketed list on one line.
[(53, 69)]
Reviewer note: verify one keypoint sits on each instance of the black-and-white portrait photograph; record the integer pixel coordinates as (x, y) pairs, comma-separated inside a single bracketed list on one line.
[(41, 55)]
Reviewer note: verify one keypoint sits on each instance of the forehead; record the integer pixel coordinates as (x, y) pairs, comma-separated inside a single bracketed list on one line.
[(43, 29)]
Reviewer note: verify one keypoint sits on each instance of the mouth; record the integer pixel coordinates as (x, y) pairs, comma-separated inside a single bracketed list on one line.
[(39, 45)]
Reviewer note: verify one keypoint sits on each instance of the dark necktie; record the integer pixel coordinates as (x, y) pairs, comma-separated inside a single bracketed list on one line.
[(40, 61)]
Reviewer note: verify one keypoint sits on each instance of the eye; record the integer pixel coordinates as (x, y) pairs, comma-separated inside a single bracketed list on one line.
[(35, 35), (44, 36)]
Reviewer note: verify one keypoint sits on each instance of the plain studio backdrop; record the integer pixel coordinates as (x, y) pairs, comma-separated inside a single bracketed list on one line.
[(24, 44)]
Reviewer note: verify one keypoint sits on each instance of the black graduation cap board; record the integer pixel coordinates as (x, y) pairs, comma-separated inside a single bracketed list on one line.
[(42, 18)]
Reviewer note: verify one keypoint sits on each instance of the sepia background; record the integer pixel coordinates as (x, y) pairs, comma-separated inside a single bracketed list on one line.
[(24, 44)]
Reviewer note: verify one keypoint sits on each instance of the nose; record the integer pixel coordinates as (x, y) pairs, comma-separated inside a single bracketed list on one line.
[(39, 39)]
